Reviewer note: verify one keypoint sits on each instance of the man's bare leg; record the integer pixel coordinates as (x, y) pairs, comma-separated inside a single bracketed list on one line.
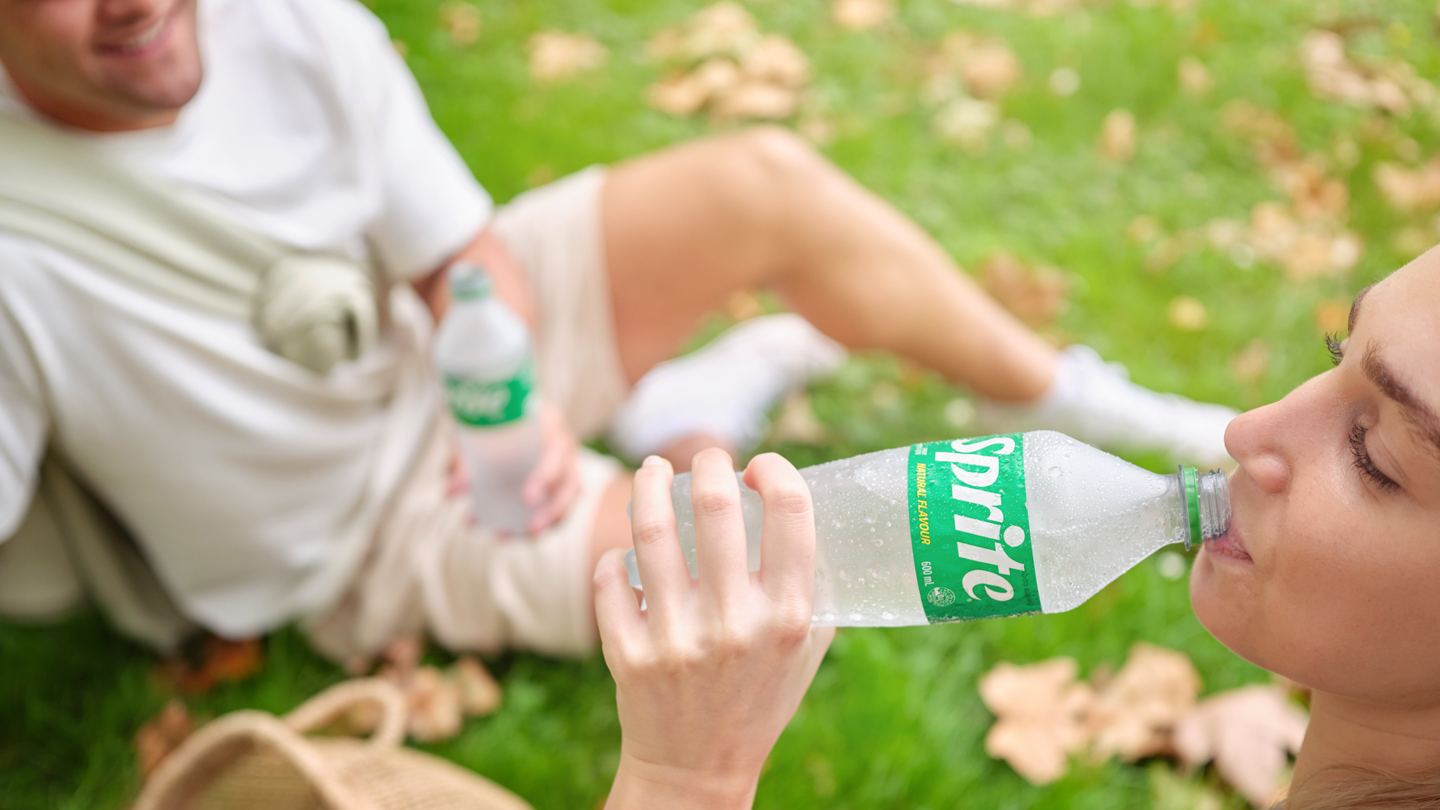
[(687, 226)]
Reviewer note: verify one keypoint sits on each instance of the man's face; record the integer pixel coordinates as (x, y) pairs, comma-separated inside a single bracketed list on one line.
[(105, 65)]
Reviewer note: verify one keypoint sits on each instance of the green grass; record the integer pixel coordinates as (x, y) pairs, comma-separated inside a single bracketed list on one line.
[(893, 719)]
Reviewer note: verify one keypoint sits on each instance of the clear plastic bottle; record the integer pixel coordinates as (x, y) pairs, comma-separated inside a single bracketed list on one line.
[(483, 354), (974, 528)]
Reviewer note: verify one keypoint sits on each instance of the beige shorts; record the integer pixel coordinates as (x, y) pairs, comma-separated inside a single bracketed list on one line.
[(429, 570)]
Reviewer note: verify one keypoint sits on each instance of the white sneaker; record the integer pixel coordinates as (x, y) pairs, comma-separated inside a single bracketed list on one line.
[(726, 388), (1096, 402)]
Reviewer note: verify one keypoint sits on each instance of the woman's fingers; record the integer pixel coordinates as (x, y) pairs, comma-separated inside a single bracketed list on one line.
[(787, 542), (657, 546), (617, 614), (719, 527)]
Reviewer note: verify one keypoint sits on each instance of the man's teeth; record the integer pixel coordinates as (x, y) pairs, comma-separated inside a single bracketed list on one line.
[(145, 38)]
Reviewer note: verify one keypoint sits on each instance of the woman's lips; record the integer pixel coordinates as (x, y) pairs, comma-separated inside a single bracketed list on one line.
[(1228, 545)]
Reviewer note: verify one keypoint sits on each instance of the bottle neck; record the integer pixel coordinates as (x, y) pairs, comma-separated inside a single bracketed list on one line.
[(1204, 504)]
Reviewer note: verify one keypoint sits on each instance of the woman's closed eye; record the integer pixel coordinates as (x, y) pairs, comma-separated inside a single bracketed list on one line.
[(1364, 463)]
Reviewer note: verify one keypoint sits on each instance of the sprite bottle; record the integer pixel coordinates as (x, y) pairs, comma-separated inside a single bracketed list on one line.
[(977, 528), (483, 354)]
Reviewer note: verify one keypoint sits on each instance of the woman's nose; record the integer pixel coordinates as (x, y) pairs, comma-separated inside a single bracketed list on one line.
[(1257, 441)]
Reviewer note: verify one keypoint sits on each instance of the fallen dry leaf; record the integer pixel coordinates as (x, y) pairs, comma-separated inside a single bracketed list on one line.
[(1036, 296), (861, 15), (1136, 710), (1248, 732), (1409, 191), (1142, 229), (1194, 77), (978, 65), (1252, 363), (434, 704), (723, 29), (556, 56), (777, 60), (1332, 316), (757, 100), (1312, 194), (162, 734), (479, 693), (1270, 136), (218, 661), (1040, 715), (968, 123), (797, 422), (461, 21), (1117, 136)]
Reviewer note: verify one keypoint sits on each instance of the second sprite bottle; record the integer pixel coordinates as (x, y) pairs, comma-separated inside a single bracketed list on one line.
[(483, 354)]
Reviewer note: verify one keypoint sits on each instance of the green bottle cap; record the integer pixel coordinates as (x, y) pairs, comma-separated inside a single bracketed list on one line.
[(469, 282), (1190, 478)]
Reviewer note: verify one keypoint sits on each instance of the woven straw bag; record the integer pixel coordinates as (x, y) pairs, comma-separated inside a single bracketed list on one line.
[(251, 760)]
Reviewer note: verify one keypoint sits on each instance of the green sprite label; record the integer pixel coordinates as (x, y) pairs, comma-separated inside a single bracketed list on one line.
[(483, 404), (970, 529)]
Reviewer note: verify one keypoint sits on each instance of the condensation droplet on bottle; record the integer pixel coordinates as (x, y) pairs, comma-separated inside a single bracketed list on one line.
[(887, 616), (857, 617), (1055, 472)]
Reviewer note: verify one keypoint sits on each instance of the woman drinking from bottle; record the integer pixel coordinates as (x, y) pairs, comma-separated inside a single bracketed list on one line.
[(1326, 576)]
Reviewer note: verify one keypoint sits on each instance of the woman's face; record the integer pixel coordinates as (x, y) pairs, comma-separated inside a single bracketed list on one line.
[(1330, 574)]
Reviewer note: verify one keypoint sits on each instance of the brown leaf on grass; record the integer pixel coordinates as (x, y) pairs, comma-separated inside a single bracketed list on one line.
[(967, 123), (1252, 363), (1248, 732), (797, 422), (722, 29), (1135, 711), (1409, 191), (556, 56), (757, 100), (1187, 314), (479, 693), (1303, 250), (461, 21), (1332, 75), (434, 704), (776, 60), (162, 734), (861, 15), (1312, 194), (1270, 136), (978, 64), (1036, 296), (1040, 715), (1332, 316), (1117, 136), (219, 661), (1194, 77)]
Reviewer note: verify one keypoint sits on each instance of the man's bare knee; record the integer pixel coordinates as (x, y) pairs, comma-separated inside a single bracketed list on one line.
[(763, 174)]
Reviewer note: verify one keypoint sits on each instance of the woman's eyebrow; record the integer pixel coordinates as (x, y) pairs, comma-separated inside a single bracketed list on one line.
[(1355, 308), (1420, 415)]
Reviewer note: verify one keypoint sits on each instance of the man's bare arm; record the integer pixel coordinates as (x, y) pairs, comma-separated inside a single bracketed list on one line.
[(487, 250)]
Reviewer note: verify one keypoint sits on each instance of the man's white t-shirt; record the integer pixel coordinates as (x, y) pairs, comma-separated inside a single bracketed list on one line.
[(251, 484)]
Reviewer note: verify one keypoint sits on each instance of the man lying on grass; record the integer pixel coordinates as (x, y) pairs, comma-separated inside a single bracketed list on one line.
[(157, 147)]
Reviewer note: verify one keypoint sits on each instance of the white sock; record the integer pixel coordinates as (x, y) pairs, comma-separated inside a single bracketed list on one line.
[(726, 388)]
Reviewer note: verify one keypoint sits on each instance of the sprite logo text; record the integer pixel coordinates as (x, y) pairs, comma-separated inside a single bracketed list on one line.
[(970, 528), (483, 404)]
